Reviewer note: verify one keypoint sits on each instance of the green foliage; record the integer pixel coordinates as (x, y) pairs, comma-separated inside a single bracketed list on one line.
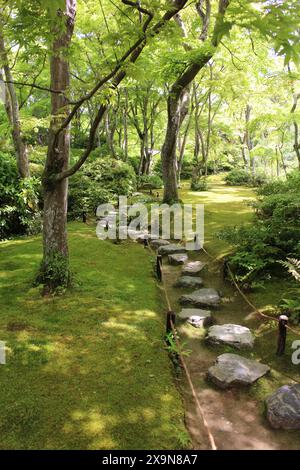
[(239, 177), (150, 181), (98, 182), (200, 185), (54, 273), (20, 201), (292, 304), (275, 234)]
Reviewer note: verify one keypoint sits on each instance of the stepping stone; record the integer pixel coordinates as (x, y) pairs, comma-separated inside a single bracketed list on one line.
[(232, 369), (188, 281), (171, 249), (283, 407), (201, 298), (176, 259), (237, 336), (196, 317), (159, 242), (193, 268)]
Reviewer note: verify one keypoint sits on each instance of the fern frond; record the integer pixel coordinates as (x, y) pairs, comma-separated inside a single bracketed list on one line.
[(293, 266)]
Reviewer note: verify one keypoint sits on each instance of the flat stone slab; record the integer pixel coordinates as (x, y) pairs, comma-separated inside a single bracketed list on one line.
[(171, 249), (156, 243), (238, 336), (201, 298), (196, 317), (177, 258), (283, 407), (232, 369), (188, 281), (193, 268)]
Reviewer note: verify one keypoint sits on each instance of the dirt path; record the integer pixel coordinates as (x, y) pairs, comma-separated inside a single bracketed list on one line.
[(235, 417)]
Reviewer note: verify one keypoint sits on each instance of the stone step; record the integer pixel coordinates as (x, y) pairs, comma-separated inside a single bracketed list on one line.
[(188, 281), (171, 249), (204, 297), (177, 258), (237, 336), (196, 317), (283, 407), (156, 243), (193, 268), (232, 369)]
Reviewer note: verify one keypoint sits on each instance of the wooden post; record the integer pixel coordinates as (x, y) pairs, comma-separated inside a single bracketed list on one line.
[(171, 318), (283, 319), (158, 267), (84, 217)]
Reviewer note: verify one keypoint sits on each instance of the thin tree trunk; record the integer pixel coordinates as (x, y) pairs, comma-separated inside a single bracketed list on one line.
[(55, 265), (13, 114)]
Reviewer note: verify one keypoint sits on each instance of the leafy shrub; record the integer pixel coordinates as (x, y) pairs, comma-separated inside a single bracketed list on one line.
[(99, 182), (274, 236), (200, 185), (20, 201), (150, 181), (239, 177)]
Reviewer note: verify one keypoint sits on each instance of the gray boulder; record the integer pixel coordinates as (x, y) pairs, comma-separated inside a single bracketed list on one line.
[(156, 243), (232, 369), (283, 407), (171, 249), (177, 258), (188, 281), (201, 298), (192, 268), (196, 317), (238, 336)]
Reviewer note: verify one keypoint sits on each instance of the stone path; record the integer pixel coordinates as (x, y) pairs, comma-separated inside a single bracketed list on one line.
[(230, 371)]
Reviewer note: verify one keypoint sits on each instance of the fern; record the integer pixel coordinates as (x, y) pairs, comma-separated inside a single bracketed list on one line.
[(293, 266)]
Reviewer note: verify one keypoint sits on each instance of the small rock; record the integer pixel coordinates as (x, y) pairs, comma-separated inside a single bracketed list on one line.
[(283, 407), (192, 268), (232, 335), (176, 259), (156, 243), (232, 369), (196, 317), (188, 281), (201, 298), (171, 249)]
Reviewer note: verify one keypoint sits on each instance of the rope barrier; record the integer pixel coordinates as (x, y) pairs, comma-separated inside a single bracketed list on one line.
[(184, 365), (255, 309)]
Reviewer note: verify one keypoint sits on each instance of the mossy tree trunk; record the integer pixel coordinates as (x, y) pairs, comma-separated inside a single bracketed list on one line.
[(55, 264)]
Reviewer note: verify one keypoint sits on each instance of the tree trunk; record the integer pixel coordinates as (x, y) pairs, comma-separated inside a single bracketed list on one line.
[(55, 265), (13, 114), (176, 103)]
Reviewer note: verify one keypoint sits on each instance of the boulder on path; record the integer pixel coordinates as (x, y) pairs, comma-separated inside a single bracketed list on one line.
[(171, 249), (188, 281), (283, 407), (232, 369), (201, 298), (157, 242), (177, 258), (238, 336), (193, 268), (196, 317)]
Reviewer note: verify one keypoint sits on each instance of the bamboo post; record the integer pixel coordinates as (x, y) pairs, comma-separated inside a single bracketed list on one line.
[(283, 319)]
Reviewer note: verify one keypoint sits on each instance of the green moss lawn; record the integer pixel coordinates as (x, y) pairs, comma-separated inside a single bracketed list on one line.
[(86, 370)]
